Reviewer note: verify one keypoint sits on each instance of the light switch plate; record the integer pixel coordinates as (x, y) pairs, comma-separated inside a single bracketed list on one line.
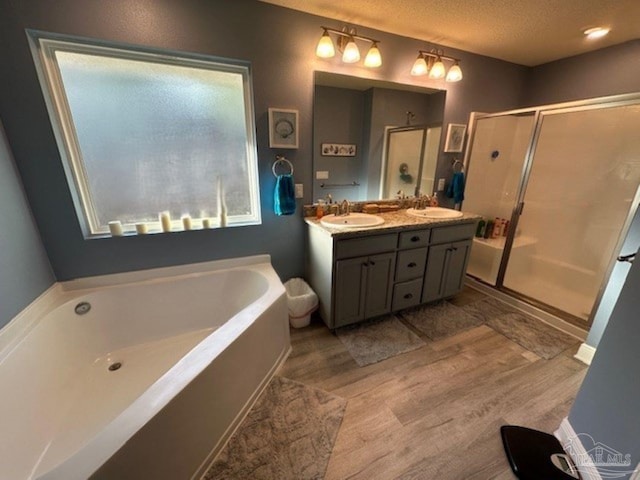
[(322, 175), (440, 184), (299, 190)]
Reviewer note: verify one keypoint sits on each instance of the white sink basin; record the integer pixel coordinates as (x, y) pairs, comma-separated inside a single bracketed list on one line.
[(353, 220), (434, 212)]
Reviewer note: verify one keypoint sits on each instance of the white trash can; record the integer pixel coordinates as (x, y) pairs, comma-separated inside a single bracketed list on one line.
[(302, 302)]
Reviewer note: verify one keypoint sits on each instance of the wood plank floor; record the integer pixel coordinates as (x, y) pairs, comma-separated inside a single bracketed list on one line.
[(435, 412)]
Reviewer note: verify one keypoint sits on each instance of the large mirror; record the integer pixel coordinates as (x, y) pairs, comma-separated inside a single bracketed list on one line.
[(373, 139)]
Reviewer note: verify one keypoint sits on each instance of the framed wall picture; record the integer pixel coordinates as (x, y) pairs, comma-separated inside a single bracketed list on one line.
[(338, 150), (283, 128), (455, 137)]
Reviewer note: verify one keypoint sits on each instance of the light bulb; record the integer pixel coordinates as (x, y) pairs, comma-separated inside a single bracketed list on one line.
[(597, 32), (420, 66), (325, 47), (351, 53), (373, 58), (437, 71), (454, 74)]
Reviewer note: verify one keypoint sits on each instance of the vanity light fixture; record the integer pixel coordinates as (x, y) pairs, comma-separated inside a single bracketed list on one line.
[(596, 32), (432, 63), (346, 44)]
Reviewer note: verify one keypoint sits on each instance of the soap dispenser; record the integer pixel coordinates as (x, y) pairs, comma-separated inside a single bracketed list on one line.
[(434, 200)]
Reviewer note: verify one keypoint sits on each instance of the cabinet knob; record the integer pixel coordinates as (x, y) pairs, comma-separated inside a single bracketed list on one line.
[(412, 264), (408, 296), (372, 263), (365, 264), (415, 238)]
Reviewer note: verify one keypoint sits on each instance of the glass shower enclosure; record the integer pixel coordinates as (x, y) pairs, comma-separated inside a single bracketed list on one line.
[(410, 158), (562, 181)]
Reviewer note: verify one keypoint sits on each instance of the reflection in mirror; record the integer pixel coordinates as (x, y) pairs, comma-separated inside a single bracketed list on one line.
[(369, 118), (409, 161)]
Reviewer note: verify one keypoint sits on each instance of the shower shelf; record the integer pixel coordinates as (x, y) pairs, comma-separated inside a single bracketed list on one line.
[(498, 243)]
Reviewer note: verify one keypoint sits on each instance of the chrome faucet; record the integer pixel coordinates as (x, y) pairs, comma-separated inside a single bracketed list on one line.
[(344, 208), (421, 201)]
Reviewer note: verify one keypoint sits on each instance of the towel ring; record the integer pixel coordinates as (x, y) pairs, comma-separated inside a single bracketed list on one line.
[(457, 163), (280, 159)]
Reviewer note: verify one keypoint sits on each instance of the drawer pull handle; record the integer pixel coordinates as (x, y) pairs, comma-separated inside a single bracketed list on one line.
[(408, 296), (412, 264), (415, 238)]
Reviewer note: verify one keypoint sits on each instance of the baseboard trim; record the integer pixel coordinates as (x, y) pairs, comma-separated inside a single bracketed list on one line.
[(585, 354), (573, 446)]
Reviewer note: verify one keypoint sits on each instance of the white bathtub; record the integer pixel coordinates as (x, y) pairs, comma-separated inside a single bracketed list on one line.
[(197, 344)]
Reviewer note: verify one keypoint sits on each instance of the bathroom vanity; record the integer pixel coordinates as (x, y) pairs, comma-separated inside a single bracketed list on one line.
[(360, 273)]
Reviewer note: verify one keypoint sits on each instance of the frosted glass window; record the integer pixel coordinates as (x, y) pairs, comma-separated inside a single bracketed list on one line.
[(145, 133)]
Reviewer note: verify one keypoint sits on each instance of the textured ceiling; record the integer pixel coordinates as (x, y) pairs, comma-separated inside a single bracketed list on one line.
[(527, 32)]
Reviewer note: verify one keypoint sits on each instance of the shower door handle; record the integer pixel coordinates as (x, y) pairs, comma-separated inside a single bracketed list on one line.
[(627, 258), (520, 208)]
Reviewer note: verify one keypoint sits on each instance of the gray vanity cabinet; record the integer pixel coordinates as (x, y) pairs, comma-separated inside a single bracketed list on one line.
[(363, 287), (447, 261), (361, 277), (446, 267)]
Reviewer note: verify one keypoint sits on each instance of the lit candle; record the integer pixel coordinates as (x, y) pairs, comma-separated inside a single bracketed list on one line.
[(115, 228), (206, 223), (165, 221), (141, 228), (186, 222)]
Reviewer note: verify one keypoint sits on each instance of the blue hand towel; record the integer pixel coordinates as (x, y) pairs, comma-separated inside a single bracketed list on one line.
[(456, 187), (284, 196)]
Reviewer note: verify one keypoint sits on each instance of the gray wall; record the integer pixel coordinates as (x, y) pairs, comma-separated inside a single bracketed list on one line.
[(338, 117), (24, 268), (608, 71), (607, 404), (280, 44)]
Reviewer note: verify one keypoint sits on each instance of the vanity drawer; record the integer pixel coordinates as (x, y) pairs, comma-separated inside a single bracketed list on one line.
[(453, 233), (414, 239), (406, 294), (356, 247), (411, 264)]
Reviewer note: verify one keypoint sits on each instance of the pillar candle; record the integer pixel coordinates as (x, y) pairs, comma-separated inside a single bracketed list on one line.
[(165, 221), (115, 228), (206, 223), (141, 228), (186, 222)]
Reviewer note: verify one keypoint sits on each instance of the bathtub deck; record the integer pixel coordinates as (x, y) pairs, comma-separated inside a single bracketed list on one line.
[(434, 412)]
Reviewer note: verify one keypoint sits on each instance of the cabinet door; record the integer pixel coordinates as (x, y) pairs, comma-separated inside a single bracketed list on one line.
[(456, 267), (437, 258), (380, 270), (350, 278)]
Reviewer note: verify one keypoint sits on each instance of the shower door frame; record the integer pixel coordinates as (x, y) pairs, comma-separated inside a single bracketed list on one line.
[(387, 145), (539, 114)]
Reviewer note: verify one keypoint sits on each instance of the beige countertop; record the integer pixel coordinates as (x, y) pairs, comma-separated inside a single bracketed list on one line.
[(393, 222)]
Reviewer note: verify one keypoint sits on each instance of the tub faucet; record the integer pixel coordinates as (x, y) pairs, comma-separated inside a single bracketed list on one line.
[(344, 208)]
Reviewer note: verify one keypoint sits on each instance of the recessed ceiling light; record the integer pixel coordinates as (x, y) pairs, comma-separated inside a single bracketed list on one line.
[(596, 32)]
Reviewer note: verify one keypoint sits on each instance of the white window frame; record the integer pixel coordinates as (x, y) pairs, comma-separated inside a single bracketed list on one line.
[(43, 47)]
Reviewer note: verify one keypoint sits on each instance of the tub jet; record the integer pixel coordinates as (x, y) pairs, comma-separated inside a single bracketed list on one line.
[(82, 308)]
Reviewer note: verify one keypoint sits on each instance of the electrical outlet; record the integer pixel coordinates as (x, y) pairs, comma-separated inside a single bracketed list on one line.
[(440, 184), (322, 175), (299, 190)]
